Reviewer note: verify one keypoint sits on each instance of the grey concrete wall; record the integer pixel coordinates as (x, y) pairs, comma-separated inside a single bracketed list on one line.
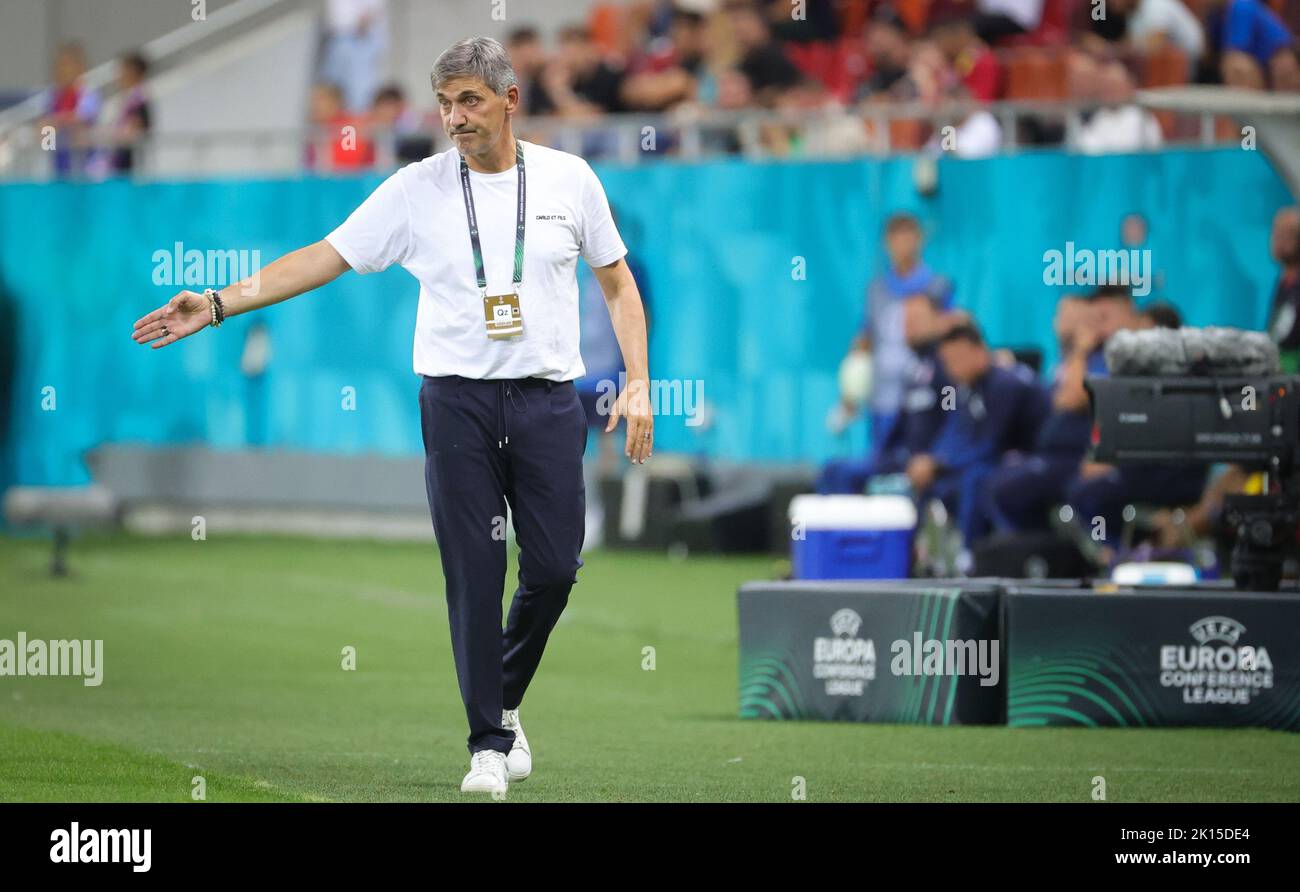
[(33, 30)]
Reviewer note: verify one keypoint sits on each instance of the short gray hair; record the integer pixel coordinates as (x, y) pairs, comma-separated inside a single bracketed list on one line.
[(477, 57)]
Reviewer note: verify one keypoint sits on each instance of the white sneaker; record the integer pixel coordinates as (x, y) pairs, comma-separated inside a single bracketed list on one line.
[(487, 773), (519, 764)]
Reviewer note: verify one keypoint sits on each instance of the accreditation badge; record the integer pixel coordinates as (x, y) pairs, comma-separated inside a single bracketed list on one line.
[(502, 316)]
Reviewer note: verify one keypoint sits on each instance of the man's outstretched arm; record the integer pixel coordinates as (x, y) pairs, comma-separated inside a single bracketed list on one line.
[(291, 275)]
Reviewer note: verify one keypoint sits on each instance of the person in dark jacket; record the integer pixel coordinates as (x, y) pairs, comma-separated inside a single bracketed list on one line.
[(1025, 487), (996, 410)]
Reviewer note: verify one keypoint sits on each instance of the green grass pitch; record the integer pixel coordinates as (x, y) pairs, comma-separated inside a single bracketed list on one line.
[(223, 660)]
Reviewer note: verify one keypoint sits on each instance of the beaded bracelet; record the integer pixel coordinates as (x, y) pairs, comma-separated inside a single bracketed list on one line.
[(217, 308)]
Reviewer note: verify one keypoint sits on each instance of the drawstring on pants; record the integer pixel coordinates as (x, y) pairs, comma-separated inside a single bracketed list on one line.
[(514, 394)]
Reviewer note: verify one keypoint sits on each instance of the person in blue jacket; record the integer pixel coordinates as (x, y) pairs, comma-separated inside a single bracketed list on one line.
[(1256, 49), (1021, 491), (993, 411), (882, 334)]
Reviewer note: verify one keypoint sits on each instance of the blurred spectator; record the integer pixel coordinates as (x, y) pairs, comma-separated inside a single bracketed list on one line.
[(1100, 26), (1153, 24), (529, 59), (998, 19), (999, 411), (398, 134), (338, 141), (1284, 314), (888, 52), (818, 21), (1020, 492), (1122, 126), (1101, 491), (356, 45), (128, 112), (672, 69), (1160, 314), (970, 57), (830, 132), (649, 20), (1082, 73), (921, 412), (1133, 230), (580, 83), (1112, 310), (1256, 50), (1203, 518), (734, 90), (882, 334), (929, 76), (979, 135), (71, 109), (975, 134), (762, 58)]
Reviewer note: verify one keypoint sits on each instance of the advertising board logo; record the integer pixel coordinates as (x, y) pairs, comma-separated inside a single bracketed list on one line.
[(1217, 669), (1216, 628), (844, 661), (846, 622)]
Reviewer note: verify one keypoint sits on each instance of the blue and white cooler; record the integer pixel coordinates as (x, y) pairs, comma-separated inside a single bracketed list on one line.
[(852, 537)]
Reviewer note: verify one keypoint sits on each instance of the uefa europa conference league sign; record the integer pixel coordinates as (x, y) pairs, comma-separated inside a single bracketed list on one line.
[(989, 651)]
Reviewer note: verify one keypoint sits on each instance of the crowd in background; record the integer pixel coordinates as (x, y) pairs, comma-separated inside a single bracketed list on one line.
[(73, 110), (831, 62), (699, 60), (975, 429)]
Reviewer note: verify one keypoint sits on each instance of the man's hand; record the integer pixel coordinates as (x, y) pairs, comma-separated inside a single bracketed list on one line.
[(840, 416), (1087, 339), (921, 471), (290, 275), (179, 318), (634, 404)]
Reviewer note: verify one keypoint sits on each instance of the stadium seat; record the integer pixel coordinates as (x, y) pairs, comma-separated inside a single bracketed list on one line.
[(906, 135), (1033, 73), (915, 15)]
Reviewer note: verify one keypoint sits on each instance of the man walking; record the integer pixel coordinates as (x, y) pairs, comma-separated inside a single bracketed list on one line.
[(492, 229)]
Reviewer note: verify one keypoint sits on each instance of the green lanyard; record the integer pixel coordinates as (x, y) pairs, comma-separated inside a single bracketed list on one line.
[(468, 194)]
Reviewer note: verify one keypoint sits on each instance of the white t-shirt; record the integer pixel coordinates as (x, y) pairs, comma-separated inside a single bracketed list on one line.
[(416, 218), (1127, 128)]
